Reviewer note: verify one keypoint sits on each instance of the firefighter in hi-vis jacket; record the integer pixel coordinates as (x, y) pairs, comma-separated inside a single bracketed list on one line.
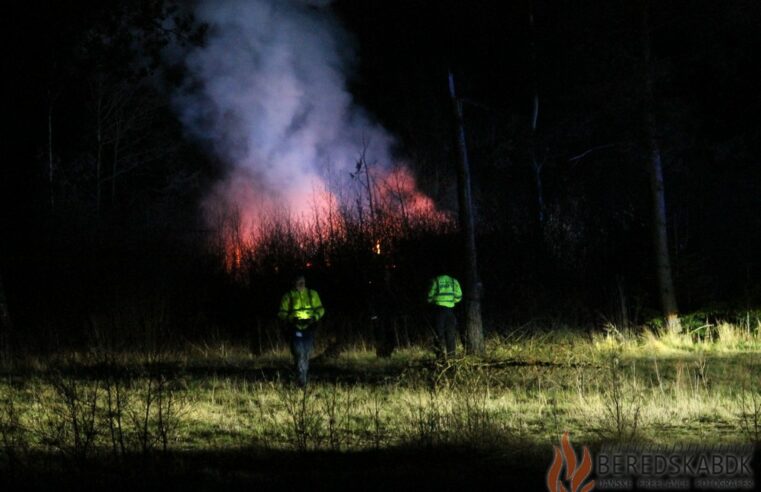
[(301, 308), (443, 294)]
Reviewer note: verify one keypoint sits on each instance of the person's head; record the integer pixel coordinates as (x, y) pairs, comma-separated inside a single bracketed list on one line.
[(299, 282)]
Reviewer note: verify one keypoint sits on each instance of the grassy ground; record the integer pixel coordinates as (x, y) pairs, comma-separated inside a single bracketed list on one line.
[(217, 415)]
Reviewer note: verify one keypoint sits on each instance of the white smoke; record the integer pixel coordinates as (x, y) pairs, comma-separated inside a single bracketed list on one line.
[(268, 94)]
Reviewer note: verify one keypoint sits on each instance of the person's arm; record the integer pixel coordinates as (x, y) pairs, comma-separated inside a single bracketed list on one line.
[(457, 291), (433, 290), (317, 308), (285, 307)]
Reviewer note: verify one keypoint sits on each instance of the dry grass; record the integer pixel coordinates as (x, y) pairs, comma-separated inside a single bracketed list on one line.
[(653, 387)]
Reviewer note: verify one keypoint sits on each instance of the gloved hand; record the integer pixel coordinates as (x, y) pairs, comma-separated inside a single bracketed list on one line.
[(312, 326), (303, 324)]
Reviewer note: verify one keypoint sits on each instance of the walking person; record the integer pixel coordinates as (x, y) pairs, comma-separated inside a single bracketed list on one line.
[(302, 309), (443, 294)]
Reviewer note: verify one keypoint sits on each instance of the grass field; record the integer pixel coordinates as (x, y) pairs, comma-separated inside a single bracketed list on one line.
[(216, 414)]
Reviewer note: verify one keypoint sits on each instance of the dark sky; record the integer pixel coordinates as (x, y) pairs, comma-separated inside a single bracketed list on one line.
[(405, 47), (588, 54)]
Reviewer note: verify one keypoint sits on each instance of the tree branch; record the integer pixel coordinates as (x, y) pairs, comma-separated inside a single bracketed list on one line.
[(593, 149)]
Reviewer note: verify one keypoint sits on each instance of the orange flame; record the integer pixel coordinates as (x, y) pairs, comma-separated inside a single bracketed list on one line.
[(573, 474), (233, 257), (398, 193), (246, 218)]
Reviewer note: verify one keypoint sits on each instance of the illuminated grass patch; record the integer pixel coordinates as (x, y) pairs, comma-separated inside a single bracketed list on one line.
[(529, 389)]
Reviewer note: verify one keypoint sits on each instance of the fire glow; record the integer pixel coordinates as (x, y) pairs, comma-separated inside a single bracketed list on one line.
[(388, 210), (305, 166)]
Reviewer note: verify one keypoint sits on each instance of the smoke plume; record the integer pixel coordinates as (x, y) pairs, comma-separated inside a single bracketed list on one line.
[(269, 97)]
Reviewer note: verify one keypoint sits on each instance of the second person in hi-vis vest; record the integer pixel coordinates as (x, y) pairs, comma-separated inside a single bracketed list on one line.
[(443, 294)]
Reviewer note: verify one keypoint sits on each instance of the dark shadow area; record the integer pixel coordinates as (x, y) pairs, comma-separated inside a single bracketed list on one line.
[(518, 467), (320, 372), (403, 468)]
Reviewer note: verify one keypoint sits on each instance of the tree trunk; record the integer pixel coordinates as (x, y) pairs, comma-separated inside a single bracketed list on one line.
[(474, 330), (657, 189), (535, 164), (5, 321), (99, 149), (50, 153), (115, 163)]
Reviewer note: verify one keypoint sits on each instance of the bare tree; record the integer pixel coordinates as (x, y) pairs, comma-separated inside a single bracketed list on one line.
[(126, 138), (657, 189), (536, 163), (5, 319), (474, 329), (50, 156)]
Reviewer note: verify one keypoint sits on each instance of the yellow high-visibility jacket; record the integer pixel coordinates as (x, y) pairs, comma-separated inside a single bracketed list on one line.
[(300, 307), (445, 291)]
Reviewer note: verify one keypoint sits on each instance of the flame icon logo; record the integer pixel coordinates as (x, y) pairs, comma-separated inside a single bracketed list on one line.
[(574, 475)]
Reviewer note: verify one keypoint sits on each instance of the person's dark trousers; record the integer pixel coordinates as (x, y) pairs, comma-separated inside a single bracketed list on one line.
[(302, 342), (446, 329)]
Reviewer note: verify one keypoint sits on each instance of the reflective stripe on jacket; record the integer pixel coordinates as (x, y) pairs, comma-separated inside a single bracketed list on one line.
[(445, 291), (301, 306)]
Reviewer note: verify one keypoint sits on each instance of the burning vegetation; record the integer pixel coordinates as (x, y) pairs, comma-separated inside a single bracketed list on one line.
[(379, 209)]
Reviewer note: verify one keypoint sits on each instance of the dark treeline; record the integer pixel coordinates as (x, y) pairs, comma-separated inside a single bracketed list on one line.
[(100, 229), (564, 207)]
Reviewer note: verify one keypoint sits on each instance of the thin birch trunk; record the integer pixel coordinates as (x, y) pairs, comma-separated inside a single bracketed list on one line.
[(474, 330), (666, 290)]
